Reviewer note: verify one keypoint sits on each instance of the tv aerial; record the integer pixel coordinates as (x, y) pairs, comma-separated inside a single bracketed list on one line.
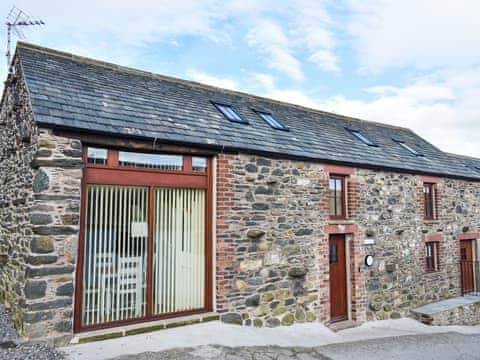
[(16, 21)]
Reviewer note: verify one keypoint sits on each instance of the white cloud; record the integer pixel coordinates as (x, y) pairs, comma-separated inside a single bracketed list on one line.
[(209, 79), (313, 28), (266, 86), (421, 33), (442, 107), (305, 26), (133, 22), (269, 37)]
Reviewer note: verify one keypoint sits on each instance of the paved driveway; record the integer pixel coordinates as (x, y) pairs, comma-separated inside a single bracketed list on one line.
[(448, 346)]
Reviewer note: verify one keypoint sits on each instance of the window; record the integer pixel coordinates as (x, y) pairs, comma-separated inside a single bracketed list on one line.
[(230, 113), (408, 148), (429, 201), (199, 164), (476, 169), (432, 256), (270, 120), (150, 161), (333, 258), (97, 156), (337, 196), (362, 137)]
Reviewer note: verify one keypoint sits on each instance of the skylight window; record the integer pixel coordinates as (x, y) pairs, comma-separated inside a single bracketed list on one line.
[(476, 169), (362, 137), (270, 120), (229, 113), (408, 148)]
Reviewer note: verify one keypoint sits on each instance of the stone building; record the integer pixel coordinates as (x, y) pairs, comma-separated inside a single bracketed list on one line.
[(132, 200)]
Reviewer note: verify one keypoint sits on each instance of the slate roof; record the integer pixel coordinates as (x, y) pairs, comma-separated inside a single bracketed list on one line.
[(470, 162), (77, 93)]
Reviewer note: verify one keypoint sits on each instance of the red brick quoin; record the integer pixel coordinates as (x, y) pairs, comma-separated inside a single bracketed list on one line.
[(224, 243)]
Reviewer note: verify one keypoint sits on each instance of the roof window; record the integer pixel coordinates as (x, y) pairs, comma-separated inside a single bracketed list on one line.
[(229, 113), (408, 148), (362, 137), (270, 120)]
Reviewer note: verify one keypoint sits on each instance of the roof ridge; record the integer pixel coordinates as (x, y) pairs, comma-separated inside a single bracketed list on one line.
[(135, 71), (463, 156)]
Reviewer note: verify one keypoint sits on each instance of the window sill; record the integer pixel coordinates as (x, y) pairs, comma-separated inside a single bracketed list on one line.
[(431, 221), (340, 222)]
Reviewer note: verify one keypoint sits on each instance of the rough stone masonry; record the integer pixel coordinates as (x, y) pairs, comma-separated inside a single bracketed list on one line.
[(272, 240), (40, 176)]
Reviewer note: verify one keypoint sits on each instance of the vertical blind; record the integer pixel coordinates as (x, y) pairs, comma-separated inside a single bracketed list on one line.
[(116, 249), (179, 240), (115, 257)]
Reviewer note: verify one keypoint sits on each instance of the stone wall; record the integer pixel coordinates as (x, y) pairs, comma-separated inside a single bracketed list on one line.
[(40, 182), (272, 240), (18, 145), (462, 314), (55, 220), (392, 210)]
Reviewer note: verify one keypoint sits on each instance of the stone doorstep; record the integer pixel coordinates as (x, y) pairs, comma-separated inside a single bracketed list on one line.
[(134, 329), (445, 305), (343, 325)]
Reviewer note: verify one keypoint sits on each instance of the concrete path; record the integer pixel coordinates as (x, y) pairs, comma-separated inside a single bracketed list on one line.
[(310, 335), (443, 346)]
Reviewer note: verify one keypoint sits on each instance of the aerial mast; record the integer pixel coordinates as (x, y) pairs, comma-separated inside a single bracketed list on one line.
[(16, 19)]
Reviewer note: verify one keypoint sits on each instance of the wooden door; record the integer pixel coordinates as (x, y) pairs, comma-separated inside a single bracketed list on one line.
[(338, 278), (466, 263)]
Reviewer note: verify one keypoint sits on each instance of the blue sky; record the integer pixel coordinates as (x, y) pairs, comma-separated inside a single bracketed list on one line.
[(412, 63)]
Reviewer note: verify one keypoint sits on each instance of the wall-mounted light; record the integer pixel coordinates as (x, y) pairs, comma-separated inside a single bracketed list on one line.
[(369, 260)]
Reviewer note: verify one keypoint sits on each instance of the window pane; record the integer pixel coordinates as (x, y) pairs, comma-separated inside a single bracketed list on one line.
[(199, 164), (272, 121), (339, 197), (97, 155), (332, 200), (333, 258), (229, 113), (336, 196), (115, 254), (179, 250), (332, 203), (151, 161), (428, 200), (432, 256), (407, 147), (362, 137)]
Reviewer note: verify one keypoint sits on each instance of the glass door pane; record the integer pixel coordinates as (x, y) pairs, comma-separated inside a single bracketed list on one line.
[(179, 250), (115, 254)]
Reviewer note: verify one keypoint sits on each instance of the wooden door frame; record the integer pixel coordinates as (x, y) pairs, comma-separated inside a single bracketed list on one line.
[(347, 255), (114, 174)]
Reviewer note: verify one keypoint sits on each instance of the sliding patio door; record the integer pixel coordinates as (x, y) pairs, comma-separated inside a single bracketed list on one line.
[(179, 250), (115, 253)]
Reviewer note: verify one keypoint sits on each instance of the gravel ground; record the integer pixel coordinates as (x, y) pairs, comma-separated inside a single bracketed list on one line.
[(11, 347)]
